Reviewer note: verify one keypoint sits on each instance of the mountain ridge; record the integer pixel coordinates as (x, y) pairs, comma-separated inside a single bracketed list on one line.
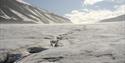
[(114, 19), (12, 11)]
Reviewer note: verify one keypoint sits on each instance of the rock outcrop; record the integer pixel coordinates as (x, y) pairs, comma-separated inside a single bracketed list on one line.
[(13, 11)]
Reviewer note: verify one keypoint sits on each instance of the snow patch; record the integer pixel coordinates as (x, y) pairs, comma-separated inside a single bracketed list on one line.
[(20, 15), (31, 11), (22, 1), (4, 15)]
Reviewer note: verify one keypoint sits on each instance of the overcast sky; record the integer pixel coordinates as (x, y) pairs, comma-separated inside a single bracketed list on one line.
[(82, 11)]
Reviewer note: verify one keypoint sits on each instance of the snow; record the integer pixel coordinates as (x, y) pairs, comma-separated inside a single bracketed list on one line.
[(20, 15), (4, 15), (32, 11), (22, 1), (88, 43)]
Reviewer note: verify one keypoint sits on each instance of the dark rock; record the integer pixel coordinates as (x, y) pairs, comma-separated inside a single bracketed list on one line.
[(53, 59), (36, 49), (7, 57), (3, 56), (11, 58)]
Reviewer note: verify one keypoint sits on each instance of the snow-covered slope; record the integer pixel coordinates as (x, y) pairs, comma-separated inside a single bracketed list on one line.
[(89, 43), (14, 11), (114, 19)]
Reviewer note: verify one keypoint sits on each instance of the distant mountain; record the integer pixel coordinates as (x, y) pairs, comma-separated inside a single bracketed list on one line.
[(114, 19), (13, 11)]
